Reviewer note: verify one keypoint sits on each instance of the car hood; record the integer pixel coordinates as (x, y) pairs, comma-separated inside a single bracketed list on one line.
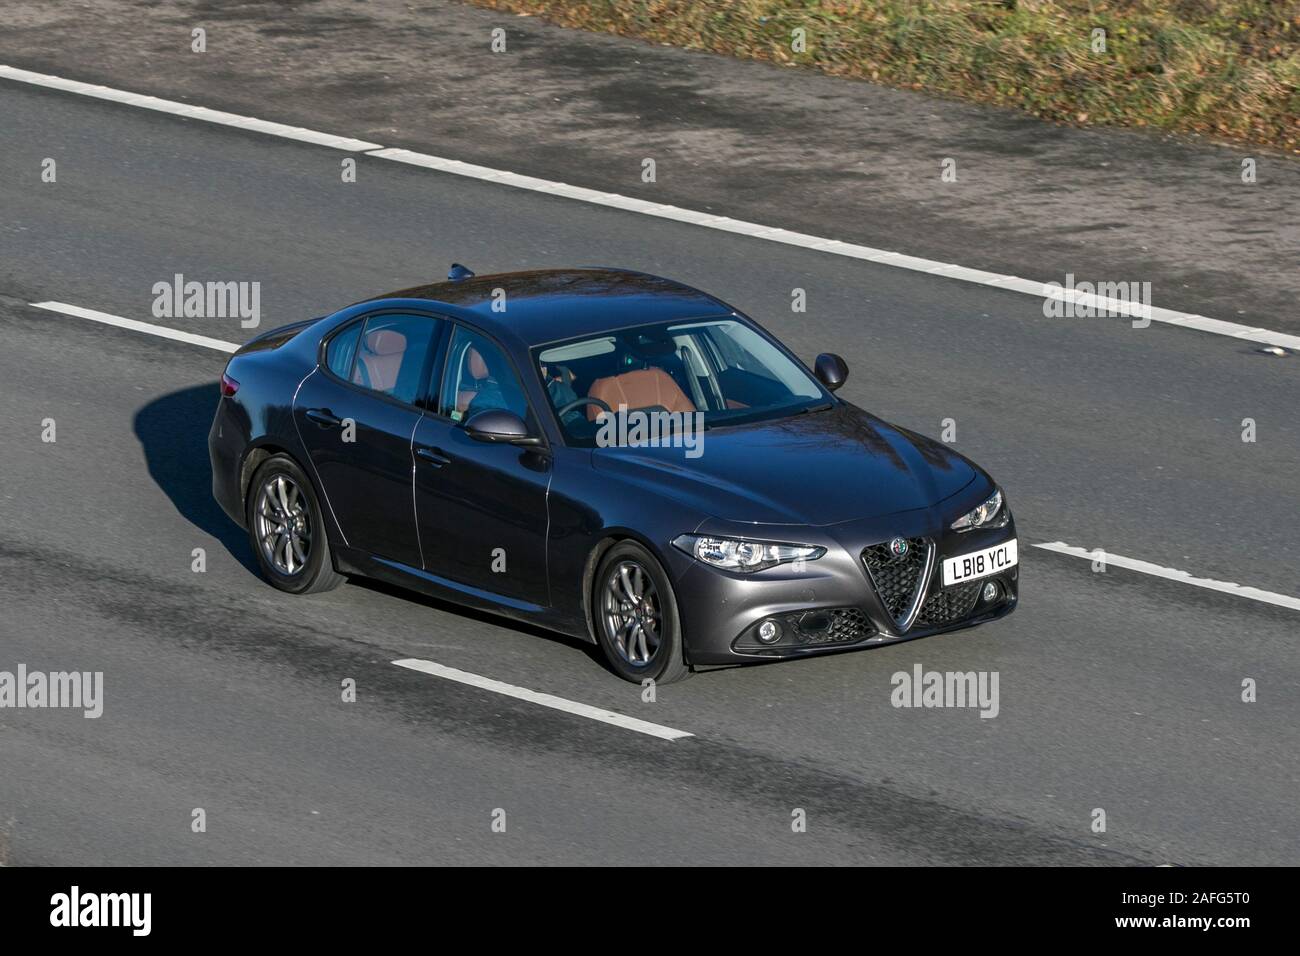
[(819, 468)]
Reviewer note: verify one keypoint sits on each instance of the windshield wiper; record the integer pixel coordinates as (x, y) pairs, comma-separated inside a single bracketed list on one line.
[(764, 415)]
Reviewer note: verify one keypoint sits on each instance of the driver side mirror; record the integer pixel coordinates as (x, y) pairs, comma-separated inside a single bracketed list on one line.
[(500, 426), (831, 370)]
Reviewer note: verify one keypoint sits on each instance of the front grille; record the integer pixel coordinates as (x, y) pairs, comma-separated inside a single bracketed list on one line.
[(949, 605), (897, 579)]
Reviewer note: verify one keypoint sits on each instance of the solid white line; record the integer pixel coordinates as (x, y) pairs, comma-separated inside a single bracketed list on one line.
[(187, 110), (159, 330), (644, 207), (1173, 574), (546, 700)]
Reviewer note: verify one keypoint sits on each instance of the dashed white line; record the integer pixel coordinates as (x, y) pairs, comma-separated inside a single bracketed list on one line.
[(608, 716), (161, 331), (644, 207), (1058, 547), (1173, 574), (545, 700)]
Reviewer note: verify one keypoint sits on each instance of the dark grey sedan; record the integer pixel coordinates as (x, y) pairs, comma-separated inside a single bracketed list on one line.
[(608, 454)]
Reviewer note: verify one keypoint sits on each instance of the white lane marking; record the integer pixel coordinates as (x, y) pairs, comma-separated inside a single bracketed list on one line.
[(1173, 574), (546, 700), (884, 257), (159, 330), (187, 110), (754, 230), (1058, 547)]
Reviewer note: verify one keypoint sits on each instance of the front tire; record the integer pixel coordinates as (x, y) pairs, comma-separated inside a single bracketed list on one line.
[(286, 528), (635, 616)]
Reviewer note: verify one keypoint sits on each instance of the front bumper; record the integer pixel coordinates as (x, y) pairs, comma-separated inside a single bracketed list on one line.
[(833, 603)]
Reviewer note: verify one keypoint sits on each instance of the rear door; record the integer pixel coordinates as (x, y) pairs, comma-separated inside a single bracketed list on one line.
[(356, 416)]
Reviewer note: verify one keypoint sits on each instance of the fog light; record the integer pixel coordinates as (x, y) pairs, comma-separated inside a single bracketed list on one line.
[(991, 591), (769, 632)]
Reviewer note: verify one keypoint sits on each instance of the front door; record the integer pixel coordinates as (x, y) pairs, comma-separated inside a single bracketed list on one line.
[(481, 507)]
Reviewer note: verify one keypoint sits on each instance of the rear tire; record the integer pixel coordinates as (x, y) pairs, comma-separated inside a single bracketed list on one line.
[(634, 611), (286, 528)]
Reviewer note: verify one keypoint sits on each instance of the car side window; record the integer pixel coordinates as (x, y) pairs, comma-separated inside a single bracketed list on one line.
[(391, 354), (342, 349), (478, 377)]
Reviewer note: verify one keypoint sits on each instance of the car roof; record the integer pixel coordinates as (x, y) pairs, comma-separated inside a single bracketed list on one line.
[(551, 305)]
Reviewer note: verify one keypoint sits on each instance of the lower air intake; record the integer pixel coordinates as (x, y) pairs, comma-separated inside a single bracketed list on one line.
[(949, 605)]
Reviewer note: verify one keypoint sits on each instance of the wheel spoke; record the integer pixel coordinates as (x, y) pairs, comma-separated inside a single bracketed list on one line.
[(630, 593), (629, 642)]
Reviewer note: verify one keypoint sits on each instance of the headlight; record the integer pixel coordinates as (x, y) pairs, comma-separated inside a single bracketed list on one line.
[(991, 514), (734, 554)]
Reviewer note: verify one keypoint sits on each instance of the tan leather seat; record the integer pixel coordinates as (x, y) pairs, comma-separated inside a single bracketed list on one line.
[(478, 371), (641, 388), (381, 359)]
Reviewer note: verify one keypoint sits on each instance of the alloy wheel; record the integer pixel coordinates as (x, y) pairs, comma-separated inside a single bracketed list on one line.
[(284, 526), (631, 613)]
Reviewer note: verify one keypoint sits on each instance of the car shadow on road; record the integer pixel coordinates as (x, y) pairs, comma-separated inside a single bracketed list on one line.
[(173, 431), (486, 617)]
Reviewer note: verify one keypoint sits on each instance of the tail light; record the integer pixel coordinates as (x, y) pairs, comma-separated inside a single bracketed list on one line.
[(228, 386)]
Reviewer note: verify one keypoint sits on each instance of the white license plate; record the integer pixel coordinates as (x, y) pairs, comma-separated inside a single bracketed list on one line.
[(979, 564)]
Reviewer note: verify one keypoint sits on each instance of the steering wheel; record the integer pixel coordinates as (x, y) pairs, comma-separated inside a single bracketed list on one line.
[(561, 412)]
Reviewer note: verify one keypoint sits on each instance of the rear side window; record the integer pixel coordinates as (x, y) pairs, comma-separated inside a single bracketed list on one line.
[(342, 349), (391, 354)]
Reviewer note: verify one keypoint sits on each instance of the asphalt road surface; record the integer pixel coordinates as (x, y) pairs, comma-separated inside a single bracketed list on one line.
[(1119, 690), (841, 158)]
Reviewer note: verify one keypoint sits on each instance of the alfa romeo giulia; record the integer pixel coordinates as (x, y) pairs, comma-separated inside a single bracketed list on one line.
[(607, 454)]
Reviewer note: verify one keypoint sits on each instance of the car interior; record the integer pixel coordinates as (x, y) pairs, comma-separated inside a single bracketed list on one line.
[(720, 368), (478, 378), (380, 359), (703, 367), (389, 358), (389, 355)]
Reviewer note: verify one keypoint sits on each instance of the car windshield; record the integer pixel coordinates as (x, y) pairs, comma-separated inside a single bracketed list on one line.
[(721, 368)]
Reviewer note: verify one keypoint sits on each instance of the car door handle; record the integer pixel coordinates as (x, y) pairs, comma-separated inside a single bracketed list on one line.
[(323, 417), (433, 456)]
